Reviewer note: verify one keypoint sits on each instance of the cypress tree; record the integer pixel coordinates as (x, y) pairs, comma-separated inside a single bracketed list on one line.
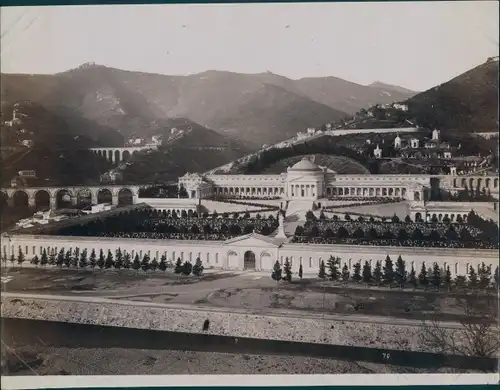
[(322, 271), (473, 283), (83, 259), (436, 276), (447, 278), (44, 260), (67, 258), (377, 273), (422, 277), (287, 270), (333, 271), (109, 260), (60, 258), (345, 273), (484, 276), (101, 261), (496, 277), (178, 266), (93, 259), (198, 267), (388, 270), (74, 258), (12, 259), (412, 279), (20, 257), (401, 273), (187, 268), (276, 274), (154, 264), (300, 272), (357, 272), (118, 259), (35, 260), (136, 264), (163, 263), (145, 261), (367, 272), (127, 261)]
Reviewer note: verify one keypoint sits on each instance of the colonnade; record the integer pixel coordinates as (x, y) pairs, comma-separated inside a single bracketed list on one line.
[(480, 182), (249, 191), (390, 192)]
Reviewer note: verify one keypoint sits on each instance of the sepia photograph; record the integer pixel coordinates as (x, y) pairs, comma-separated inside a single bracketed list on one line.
[(250, 189)]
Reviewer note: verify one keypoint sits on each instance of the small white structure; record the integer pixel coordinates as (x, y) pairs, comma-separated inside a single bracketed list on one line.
[(377, 152), (399, 106), (414, 143), (435, 134), (397, 142)]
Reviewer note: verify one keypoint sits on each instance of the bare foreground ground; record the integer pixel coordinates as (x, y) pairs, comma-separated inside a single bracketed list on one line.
[(117, 361), (240, 290)]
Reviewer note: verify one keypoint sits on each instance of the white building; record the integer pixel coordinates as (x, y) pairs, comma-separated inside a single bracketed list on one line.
[(377, 153), (397, 142), (305, 181), (402, 107)]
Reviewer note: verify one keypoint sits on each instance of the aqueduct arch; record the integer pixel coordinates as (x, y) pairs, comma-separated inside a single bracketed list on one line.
[(104, 195), (20, 199), (42, 200), (63, 198), (125, 197), (84, 197)]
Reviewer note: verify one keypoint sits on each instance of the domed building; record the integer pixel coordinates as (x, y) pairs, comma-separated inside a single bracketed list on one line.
[(305, 180)]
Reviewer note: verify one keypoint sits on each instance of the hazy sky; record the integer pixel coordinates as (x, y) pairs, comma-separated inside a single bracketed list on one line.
[(415, 45)]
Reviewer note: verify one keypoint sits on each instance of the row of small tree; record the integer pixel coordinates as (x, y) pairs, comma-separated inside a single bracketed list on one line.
[(81, 259), (387, 274)]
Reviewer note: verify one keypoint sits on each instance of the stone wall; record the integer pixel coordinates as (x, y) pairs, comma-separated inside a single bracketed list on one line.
[(217, 253), (159, 317)]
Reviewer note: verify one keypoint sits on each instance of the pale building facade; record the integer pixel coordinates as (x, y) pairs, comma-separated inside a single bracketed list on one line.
[(306, 181), (254, 252)]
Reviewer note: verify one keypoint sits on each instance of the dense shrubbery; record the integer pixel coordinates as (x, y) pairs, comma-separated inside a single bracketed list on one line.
[(477, 233), (360, 202), (229, 198), (148, 224)]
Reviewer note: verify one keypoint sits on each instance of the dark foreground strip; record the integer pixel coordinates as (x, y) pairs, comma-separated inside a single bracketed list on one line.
[(60, 334)]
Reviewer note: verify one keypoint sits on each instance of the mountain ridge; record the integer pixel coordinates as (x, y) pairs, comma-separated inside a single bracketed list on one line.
[(129, 100), (464, 104)]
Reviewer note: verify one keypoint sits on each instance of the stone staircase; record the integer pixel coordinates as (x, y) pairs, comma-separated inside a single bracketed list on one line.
[(297, 209)]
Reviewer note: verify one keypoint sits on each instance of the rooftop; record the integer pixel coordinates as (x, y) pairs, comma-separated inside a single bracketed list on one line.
[(305, 165)]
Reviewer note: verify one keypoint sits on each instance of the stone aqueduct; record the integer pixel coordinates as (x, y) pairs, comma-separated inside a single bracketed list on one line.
[(57, 197), (117, 155)]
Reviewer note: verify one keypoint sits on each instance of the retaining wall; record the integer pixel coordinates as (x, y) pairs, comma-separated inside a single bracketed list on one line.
[(143, 315)]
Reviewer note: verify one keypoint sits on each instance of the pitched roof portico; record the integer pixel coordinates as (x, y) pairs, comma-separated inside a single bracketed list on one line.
[(252, 251)]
